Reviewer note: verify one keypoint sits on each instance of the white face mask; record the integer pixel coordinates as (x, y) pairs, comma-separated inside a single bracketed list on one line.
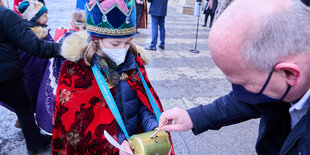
[(116, 55)]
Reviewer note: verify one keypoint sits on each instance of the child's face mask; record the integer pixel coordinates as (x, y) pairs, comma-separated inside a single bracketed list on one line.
[(116, 55)]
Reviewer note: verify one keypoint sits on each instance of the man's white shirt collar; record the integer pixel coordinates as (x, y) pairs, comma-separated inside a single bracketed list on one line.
[(301, 104), (299, 109)]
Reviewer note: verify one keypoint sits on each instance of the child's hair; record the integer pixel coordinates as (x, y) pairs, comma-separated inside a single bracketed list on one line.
[(93, 47), (78, 19)]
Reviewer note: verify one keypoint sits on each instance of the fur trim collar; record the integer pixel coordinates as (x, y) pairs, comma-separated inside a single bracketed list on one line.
[(74, 45), (41, 32), (144, 55)]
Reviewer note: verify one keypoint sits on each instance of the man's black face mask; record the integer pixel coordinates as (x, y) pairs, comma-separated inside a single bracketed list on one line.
[(256, 98)]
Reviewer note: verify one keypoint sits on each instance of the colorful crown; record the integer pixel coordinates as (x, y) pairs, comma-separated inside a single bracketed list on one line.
[(111, 18)]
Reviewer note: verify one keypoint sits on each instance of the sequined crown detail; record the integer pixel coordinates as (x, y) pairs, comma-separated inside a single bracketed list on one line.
[(114, 22)]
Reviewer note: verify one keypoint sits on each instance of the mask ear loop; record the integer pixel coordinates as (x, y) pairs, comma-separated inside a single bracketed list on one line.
[(286, 92), (268, 79)]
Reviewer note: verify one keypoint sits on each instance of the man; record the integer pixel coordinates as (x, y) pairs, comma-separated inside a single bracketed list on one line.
[(211, 8), (14, 34), (263, 49), (158, 11)]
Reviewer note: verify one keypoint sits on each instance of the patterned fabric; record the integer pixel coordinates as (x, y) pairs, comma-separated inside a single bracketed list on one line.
[(101, 15), (135, 83), (108, 68), (78, 113), (81, 113)]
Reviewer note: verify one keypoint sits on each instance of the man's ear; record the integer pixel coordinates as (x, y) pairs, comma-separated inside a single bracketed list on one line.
[(291, 72)]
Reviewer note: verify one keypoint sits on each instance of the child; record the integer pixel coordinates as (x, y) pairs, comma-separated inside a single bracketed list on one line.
[(47, 91), (14, 34), (34, 67), (81, 113), (78, 23)]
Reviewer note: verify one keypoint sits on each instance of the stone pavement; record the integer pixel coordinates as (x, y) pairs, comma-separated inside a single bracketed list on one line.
[(181, 79)]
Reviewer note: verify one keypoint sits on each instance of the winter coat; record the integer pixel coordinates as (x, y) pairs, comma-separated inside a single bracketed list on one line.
[(214, 6), (306, 2), (34, 66), (158, 8), (14, 34), (275, 135), (81, 109)]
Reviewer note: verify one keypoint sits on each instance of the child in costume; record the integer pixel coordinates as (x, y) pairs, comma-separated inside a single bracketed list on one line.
[(14, 34), (77, 23), (47, 91), (34, 66), (81, 112)]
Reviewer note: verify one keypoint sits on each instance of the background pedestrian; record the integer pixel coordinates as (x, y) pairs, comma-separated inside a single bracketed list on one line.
[(158, 12)]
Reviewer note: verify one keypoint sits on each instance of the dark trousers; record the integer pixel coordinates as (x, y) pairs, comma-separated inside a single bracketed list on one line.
[(208, 13), (14, 94), (158, 21)]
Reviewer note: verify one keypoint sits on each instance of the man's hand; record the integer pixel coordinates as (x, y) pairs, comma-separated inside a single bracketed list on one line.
[(125, 145), (182, 121)]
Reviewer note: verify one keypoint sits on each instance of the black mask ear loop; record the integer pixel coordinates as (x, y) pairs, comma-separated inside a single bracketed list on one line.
[(267, 81), (286, 92)]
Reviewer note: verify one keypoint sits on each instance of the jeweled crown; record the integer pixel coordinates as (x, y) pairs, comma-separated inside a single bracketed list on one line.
[(113, 22)]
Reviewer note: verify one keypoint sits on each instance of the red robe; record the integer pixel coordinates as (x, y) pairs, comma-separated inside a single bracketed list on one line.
[(143, 18), (81, 113)]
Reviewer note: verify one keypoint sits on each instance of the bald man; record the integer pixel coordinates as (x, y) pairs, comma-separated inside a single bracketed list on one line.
[(263, 48)]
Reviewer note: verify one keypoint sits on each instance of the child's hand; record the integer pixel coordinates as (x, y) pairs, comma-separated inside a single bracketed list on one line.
[(125, 145)]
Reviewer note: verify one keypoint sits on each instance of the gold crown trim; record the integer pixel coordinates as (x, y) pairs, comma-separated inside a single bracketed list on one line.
[(110, 31)]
